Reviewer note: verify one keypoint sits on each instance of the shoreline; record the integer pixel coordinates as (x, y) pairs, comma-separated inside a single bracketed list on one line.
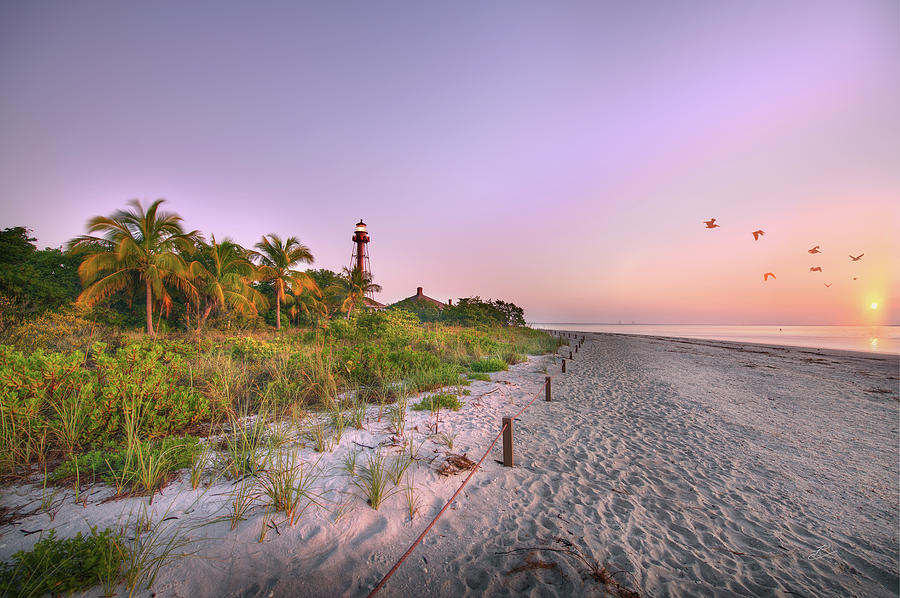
[(724, 341)]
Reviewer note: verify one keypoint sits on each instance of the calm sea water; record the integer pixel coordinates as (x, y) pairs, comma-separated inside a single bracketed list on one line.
[(870, 339)]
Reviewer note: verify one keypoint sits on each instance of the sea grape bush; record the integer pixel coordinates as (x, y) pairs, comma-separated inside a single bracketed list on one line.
[(63, 401), (61, 567), (154, 379)]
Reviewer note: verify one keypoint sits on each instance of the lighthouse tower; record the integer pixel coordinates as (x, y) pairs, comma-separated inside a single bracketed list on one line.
[(359, 260)]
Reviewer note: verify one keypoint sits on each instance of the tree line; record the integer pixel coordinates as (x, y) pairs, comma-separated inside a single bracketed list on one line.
[(144, 255)]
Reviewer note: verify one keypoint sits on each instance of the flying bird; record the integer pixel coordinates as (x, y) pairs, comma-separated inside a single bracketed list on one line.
[(757, 234), (711, 223), (816, 269), (814, 249), (857, 258), (827, 284), (767, 275), (854, 278)]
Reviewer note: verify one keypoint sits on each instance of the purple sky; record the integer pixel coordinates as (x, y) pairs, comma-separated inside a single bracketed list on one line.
[(559, 155)]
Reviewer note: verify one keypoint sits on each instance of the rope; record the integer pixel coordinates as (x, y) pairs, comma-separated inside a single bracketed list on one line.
[(433, 521), (452, 498)]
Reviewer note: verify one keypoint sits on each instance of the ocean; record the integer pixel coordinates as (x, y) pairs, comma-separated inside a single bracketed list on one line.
[(868, 339)]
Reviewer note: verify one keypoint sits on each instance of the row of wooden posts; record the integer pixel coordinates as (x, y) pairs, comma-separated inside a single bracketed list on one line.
[(507, 423)]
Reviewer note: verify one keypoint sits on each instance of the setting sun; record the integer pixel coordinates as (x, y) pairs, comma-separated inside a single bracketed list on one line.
[(874, 306)]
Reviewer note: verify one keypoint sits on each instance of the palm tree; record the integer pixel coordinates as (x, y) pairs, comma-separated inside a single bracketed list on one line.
[(221, 273), (356, 284), (276, 261), (135, 243), (313, 304)]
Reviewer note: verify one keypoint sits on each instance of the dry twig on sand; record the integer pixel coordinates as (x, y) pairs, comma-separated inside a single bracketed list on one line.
[(596, 571)]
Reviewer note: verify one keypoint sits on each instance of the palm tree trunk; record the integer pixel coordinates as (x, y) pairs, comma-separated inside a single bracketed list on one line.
[(149, 309), (202, 318), (277, 308)]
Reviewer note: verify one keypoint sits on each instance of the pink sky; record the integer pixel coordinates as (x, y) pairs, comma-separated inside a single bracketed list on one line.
[(559, 156)]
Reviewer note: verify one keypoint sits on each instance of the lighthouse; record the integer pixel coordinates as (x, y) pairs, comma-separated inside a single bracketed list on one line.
[(359, 260)]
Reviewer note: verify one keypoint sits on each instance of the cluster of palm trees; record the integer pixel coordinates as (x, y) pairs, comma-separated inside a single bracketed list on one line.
[(146, 250)]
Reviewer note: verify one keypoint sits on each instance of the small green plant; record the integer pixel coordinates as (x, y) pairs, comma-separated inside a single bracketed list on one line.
[(412, 450), (288, 483), (413, 502), (317, 434), (483, 376), (446, 439), (279, 435), (242, 499), (438, 401), (153, 466), (373, 480), (246, 448), (338, 421), (397, 416), (202, 459), (398, 467), (60, 567), (357, 413), (348, 463), (150, 545), (49, 504), (268, 521)]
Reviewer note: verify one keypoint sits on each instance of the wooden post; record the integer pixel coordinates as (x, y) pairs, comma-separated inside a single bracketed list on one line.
[(570, 355), (547, 388), (507, 442), (564, 365), (576, 348)]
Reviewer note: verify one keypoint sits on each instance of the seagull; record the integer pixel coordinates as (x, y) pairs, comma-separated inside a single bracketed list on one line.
[(816, 269), (814, 249), (857, 258), (757, 234), (827, 284), (711, 223), (767, 275), (854, 278)]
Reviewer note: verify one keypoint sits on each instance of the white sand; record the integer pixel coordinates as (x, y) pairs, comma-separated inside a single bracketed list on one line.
[(700, 468)]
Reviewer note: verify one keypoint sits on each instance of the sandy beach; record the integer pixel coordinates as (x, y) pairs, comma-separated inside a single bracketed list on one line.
[(684, 467)]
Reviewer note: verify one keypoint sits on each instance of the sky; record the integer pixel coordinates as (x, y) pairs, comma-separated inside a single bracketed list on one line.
[(559, 155)]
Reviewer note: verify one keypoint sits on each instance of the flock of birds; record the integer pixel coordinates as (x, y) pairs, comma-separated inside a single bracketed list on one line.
[(711, 223)]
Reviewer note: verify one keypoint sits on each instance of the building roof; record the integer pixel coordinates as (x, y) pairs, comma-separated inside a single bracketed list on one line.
[(420, 297), (372, 304)]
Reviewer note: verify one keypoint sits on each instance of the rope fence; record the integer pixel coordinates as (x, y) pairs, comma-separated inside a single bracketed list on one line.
[(506, 432)]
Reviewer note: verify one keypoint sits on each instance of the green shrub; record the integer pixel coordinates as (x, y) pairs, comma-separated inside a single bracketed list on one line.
[(438, 401), (479, 376), (489, 364), (447, 374), (247, 346), (60, 567), (112, 465), (157, 381)]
